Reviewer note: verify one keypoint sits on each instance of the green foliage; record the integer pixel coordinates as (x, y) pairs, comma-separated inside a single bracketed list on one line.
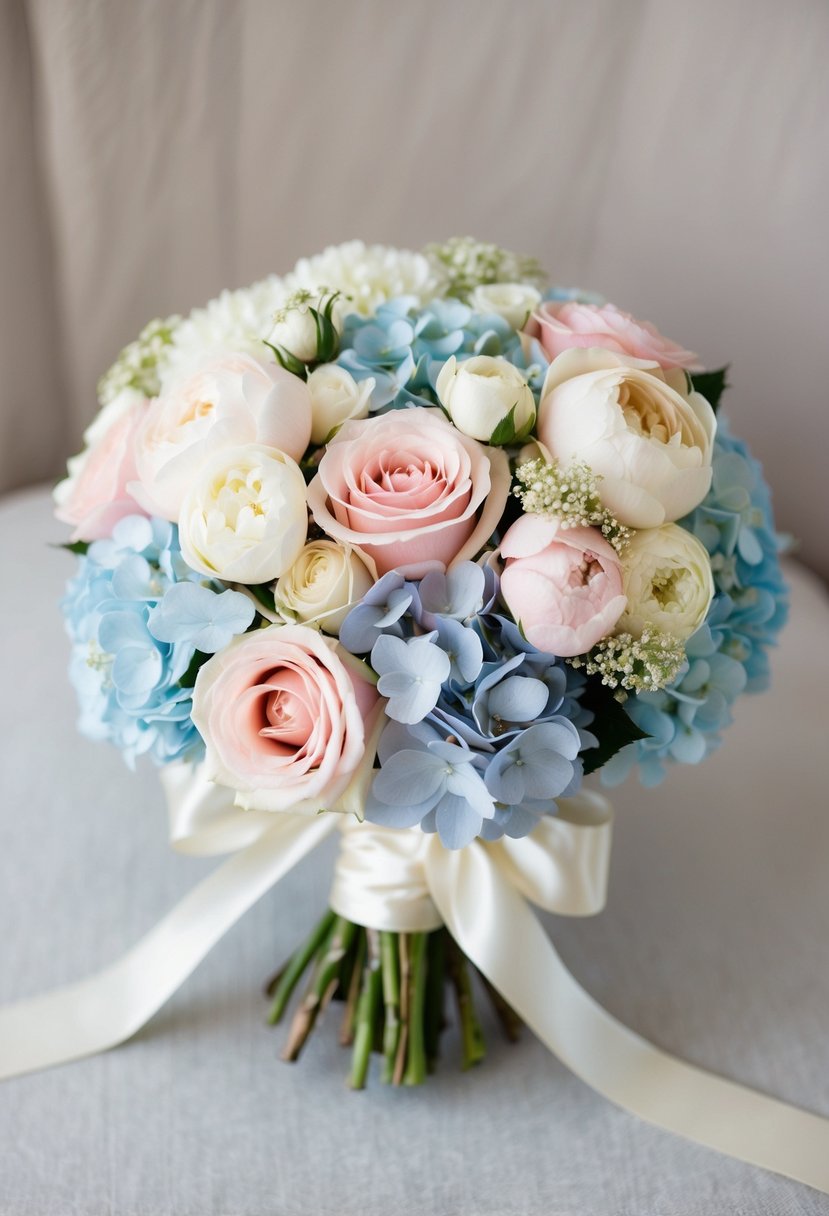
[(712, 385), (612, 726)]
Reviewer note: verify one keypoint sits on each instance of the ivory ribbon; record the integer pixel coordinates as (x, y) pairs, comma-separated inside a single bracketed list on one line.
[(481, 894)]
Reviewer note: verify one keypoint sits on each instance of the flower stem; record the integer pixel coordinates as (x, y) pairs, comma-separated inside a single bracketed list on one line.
[(472, 1039), (349, 1016), (366, 1014), (297, 963), (416, 1055), (390, 966), (403, 946), (434, 1017), (324, 981), (510, 1021)]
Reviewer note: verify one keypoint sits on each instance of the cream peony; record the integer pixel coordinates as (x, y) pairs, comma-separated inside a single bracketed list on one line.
[(223, 401), (325, 581), (666, 575), (636, 426), (245, 520), (514, 302), (335, 397), (480, 393)]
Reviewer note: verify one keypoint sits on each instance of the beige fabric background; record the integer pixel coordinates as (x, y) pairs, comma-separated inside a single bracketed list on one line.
[(670, 155)]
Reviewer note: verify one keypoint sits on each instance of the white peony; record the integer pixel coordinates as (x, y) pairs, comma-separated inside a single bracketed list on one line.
[(636, 426), (235, 320), (245, 519), (666, 576), (513, 301), (221, 402), (480, 393), (335, 397), (322, 585)]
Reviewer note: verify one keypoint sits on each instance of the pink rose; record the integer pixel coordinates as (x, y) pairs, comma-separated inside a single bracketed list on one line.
[(283, 719), (564, 585), (561, 326), (409, 490), (222, 401), (95, 496)]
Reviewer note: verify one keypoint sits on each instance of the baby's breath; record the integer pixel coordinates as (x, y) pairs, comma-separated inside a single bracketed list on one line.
[(468, 264), (137, 365), (570, 495), (635, 664)]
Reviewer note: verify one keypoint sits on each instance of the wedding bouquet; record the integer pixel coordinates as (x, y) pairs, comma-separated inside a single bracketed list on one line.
[(407, 545)]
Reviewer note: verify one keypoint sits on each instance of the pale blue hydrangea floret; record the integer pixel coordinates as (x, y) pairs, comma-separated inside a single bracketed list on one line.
[(461, 677), (136, 627), (403, 347), (729, 654)]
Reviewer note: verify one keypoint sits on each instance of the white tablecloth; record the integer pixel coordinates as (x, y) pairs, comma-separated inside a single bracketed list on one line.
[(715, 944)]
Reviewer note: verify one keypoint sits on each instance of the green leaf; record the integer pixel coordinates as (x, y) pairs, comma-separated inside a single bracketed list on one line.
[(285, 359), (80, 547), (505, 430), (611, 725), (264, 593), (711, 384), (196, 663)]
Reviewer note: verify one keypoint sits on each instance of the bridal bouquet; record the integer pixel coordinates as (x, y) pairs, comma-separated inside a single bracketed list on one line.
[(407, 545)]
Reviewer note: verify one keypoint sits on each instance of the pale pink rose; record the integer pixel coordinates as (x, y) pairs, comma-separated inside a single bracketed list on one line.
[(95, 496), (564, 585), (560, 326), (409, 490), (223, 401), (283, 719)]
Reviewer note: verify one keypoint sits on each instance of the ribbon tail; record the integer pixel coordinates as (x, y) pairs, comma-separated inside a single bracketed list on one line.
[(499, 932), (99, 1012)]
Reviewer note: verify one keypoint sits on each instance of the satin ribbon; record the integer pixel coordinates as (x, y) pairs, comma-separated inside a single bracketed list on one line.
[(481, 893)]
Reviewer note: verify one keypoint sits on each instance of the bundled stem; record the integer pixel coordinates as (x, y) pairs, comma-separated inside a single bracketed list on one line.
[(394, 987)]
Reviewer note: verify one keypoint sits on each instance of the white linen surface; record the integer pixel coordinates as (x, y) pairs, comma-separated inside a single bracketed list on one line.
[(714, 944)]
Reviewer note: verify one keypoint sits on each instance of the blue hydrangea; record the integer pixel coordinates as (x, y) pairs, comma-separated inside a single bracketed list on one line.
[(729, 655), (484, 731), (403, 348), (138, 619)]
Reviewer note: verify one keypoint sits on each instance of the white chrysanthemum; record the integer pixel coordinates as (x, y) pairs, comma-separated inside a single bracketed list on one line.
[(369, 274), (235, 320)]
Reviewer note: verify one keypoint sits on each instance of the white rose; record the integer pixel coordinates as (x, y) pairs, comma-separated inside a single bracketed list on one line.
[(481, 392), (666, 576), (245, 520), (295, 329), (512, 301), (223, 401), (636, 426), (325, 581), (335, 397)]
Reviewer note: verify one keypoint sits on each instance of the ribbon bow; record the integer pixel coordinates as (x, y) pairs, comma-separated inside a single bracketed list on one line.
[(406, 881)]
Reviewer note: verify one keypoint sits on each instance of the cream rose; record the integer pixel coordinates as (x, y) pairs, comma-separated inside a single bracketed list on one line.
[(325, 581), (515, 302), (335, 397), (666, 576), (409, 490), (481, 393), (245, 519), (636, 426), (223, 401)]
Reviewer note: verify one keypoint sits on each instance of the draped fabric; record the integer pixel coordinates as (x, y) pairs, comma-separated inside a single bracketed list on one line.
[(669, 155)]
